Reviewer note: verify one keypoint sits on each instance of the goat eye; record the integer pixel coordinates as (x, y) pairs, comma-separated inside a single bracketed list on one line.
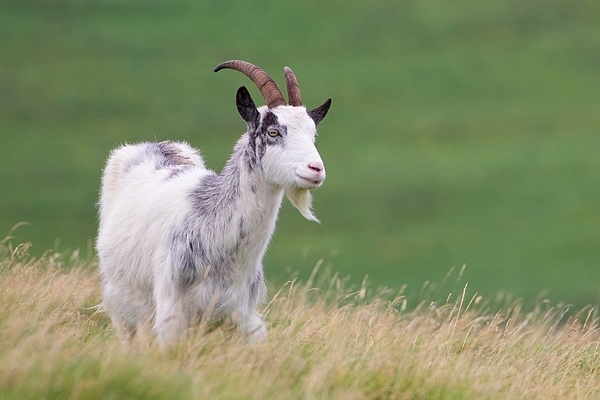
[(273, 133)]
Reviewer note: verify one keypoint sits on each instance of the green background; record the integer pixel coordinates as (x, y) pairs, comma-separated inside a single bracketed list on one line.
[(461, 132)]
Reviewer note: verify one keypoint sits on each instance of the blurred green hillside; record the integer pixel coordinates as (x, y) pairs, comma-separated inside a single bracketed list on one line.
[(461, 132)]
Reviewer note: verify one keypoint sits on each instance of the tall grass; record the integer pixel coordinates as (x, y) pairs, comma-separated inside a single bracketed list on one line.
[(325, 341)]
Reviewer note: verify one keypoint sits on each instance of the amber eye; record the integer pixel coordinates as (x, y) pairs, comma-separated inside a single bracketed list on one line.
[(273, 133)]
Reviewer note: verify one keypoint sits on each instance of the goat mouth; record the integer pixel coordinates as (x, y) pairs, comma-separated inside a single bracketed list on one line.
[(309, 182)]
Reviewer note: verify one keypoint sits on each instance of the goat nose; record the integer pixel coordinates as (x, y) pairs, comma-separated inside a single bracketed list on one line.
[(316, 166)]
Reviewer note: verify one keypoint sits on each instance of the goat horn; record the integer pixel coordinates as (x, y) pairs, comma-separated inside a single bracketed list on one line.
[(292, 88), (268, 88)]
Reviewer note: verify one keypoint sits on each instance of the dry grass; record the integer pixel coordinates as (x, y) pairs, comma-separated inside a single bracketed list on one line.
[(323, 343)]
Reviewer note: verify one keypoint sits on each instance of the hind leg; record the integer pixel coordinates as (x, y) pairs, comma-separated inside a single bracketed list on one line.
[(171, 323), (128, 313), (125, 332)]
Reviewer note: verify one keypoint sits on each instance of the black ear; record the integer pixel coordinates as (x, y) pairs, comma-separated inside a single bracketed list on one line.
[(320, 112), (246, 107)]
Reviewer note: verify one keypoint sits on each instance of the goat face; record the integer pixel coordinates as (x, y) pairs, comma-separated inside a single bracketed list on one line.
[(290, 157), (282, 146), (283, 142)]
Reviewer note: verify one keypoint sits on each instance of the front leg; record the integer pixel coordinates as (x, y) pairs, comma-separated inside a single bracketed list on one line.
[(253, 327), (170, 325), (251, 323)]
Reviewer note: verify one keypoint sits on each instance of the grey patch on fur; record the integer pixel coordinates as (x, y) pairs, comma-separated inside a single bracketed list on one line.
[(261, 147), (187, 267), (259, 138), (243, 232), (187, 254), (210, 216), (250, 153), (215, 192), (166, 155), (170, 155), (271, 122), (174, 174)]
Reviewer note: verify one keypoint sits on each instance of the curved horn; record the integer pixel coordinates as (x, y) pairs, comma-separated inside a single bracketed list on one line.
[(263, 81), (292, 88)]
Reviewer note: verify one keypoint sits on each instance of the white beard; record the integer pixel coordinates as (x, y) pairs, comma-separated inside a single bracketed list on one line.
[(302, 200)]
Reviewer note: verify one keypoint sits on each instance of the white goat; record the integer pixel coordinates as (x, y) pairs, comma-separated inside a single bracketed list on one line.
[(178, 243)]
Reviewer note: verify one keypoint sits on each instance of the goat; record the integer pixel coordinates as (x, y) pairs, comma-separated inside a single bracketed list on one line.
[(178, 243)]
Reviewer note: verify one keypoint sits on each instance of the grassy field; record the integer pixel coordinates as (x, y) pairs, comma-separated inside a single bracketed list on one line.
[(325, 341), (461, 132)]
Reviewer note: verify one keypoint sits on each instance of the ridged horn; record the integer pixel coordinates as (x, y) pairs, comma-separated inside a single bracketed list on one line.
[(293, 89), (267, 86)]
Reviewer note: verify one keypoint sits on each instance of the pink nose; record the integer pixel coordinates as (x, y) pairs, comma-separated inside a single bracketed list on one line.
[(316, 166)]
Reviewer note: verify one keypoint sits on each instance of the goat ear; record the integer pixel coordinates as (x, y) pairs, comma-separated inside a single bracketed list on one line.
[(320, 112), (246, 107)]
